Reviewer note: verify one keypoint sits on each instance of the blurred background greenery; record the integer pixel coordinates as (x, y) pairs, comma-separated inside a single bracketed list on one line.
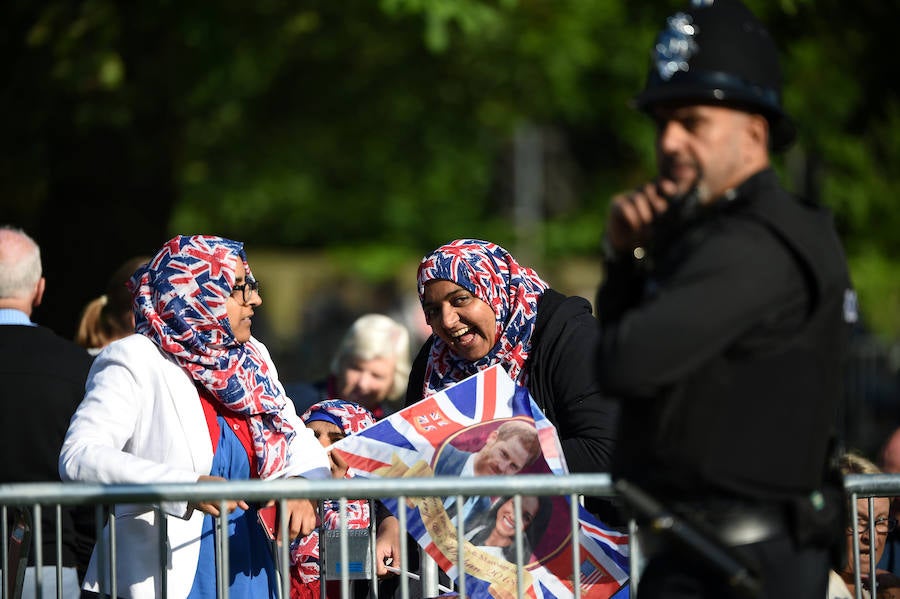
[(343, 140)]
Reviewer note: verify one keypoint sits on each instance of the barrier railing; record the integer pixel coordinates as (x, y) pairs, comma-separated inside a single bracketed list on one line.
[(38, 496), (868, 486), (41, 496)]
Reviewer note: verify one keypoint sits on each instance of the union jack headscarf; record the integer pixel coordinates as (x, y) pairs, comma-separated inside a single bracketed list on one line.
[(491, 274), (350, 418), (179, 303)]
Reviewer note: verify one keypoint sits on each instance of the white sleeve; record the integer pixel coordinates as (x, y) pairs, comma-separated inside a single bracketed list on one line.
[(115, 435)]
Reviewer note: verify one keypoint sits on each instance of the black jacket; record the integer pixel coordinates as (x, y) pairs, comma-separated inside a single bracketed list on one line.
[(563, 382), (43, 382), (728, 349)]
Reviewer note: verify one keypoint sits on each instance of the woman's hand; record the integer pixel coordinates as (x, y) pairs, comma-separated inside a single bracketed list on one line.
[(387, 545), (339, 467), (211, 507), (302, 518)]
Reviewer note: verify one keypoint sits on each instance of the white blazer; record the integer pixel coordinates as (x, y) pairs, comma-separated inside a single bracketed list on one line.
[(141, 421)]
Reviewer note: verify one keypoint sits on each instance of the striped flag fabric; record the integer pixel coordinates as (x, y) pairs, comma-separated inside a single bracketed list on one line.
[(455, 424)]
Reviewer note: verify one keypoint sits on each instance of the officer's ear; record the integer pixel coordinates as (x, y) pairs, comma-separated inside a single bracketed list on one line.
[(758, 130)]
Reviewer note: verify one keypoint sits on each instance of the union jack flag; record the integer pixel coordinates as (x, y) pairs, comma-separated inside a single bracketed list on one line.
[(413, 441)]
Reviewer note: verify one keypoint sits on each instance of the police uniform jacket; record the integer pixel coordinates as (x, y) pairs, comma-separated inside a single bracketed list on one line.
[(727, 346)]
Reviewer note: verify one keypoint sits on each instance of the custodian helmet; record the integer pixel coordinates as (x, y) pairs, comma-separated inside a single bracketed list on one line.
[(718, 52)]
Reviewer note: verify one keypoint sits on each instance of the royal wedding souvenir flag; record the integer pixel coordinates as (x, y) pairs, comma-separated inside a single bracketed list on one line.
[(449, 434)]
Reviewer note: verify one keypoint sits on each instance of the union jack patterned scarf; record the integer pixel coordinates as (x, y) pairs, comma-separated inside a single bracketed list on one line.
[(348, 416), (492, 275), (179, 303)]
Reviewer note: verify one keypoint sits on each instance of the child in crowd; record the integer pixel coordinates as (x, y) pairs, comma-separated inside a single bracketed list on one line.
[(332, 420)]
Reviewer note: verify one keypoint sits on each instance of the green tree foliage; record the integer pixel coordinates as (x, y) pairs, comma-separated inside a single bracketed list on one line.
[(396, 127), (389, 126)]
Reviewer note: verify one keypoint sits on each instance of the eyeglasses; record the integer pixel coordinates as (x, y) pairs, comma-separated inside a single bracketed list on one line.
[(247, 289), (882, 525)]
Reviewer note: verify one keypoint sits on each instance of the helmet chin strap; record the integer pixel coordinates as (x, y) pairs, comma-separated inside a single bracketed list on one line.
[(682, 208), (697, 193), (701, 191)]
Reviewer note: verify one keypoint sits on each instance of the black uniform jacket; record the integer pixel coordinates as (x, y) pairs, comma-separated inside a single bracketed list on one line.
[(727, 348)]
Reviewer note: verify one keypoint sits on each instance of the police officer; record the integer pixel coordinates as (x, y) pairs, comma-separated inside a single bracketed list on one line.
[(726, 308)]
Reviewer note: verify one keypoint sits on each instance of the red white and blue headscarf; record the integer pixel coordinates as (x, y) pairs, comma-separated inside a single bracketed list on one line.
[(179, 303), (512, 291), (348, 416)]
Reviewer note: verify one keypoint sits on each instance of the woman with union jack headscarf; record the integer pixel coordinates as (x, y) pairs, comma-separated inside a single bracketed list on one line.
[(191, 396), (485, 308)]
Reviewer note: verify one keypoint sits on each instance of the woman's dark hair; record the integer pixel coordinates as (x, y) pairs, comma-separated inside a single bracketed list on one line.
[(531, 534)]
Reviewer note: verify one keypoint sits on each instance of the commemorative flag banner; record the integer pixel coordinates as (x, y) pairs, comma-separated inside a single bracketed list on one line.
[(486, 424)]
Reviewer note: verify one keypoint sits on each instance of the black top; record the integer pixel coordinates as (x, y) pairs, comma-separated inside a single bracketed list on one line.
[(43, 382), (562, 380), (728, 349)]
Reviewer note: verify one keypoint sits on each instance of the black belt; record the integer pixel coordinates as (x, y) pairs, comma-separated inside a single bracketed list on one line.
[(736, 524), (688, 524)]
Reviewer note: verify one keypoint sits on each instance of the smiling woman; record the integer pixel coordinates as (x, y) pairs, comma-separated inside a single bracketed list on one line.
[(485, 308), (497, 532), (461, 320)]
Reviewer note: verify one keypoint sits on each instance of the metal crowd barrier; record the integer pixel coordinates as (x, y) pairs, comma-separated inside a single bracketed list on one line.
[(868, 486), (39, 496), (35, 497)]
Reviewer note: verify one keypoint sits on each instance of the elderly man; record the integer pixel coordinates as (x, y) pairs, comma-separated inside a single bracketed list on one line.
[(726, 307), (44, 378)]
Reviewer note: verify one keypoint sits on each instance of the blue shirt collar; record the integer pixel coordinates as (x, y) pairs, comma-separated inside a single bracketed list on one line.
[(13, 316)]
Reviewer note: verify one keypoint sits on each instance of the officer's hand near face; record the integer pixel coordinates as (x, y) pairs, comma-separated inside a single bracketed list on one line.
[(631, 215)]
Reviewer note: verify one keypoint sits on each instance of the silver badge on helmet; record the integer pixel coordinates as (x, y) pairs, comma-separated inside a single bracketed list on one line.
[(675, 45)]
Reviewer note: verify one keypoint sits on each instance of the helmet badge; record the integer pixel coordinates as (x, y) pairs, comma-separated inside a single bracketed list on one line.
[(675, 45)]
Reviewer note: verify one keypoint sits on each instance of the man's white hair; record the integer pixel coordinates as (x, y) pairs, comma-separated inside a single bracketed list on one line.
[(20, 263)]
